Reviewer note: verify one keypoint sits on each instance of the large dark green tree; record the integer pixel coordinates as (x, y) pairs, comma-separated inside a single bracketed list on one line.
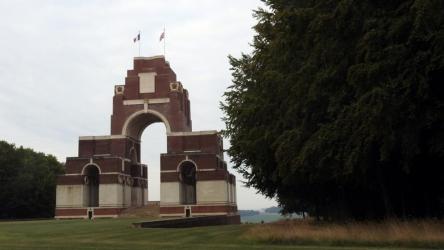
[(339, 108), (27, 182)]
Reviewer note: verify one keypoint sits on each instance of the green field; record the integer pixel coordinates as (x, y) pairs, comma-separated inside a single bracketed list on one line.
[(119, 234)]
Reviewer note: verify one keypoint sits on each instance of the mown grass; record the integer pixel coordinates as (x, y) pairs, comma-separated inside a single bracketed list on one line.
[(118, 234), (416, 233)]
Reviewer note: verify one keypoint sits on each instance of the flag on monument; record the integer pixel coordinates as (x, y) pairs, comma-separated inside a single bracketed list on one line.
[(137, 38), (162, 36)]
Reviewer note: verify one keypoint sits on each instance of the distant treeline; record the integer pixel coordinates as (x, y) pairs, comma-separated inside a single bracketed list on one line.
[(270, 210), (273, 210), (248, 212), (27, 182)]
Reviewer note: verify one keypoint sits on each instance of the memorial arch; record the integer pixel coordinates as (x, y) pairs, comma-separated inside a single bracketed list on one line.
[(194, 177)]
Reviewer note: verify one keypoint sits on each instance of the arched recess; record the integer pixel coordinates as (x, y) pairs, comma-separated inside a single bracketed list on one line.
[(91, 174), (185, 162), (138, 121), (187, 176), (84, 168)]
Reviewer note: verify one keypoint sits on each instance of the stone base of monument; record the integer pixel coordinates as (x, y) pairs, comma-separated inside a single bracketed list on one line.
[(149, 211), (199, 221)]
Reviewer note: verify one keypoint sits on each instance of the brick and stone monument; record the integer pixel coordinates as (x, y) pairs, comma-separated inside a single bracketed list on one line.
[(107, 176)]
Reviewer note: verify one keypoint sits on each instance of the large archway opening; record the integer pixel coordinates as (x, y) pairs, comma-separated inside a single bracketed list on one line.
[(137, 122), (153, 143), (150, 128)]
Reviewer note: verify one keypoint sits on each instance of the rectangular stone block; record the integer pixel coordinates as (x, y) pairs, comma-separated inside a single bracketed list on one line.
[(211, 192), (110, 195), (169, 193), (69, 196)]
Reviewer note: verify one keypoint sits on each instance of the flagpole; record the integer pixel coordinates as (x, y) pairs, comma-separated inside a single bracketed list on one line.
[(139, 43), (164, 41)]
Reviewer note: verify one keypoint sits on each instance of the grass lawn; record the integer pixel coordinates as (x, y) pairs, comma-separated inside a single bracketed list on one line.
[(119, 234)]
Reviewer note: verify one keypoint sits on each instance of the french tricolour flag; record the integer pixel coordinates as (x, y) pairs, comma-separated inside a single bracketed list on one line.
[(162, 36), (137, 38)]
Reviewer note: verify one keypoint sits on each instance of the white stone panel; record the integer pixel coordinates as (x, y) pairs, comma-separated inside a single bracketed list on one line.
[(69, 196), (212, 191), (145, 196), (169, 193), (230, 193), (147, 82), (110, 195), (85, 195), (137, 196), (127, 195), (234, 193)]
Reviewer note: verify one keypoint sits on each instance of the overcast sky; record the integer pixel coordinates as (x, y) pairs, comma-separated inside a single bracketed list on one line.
[(60, 60)]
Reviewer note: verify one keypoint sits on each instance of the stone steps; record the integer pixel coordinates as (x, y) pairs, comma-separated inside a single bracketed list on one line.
[(149, 211)]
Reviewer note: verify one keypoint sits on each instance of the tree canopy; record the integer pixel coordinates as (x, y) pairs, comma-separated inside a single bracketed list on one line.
[(339, 108), (28, 182)]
